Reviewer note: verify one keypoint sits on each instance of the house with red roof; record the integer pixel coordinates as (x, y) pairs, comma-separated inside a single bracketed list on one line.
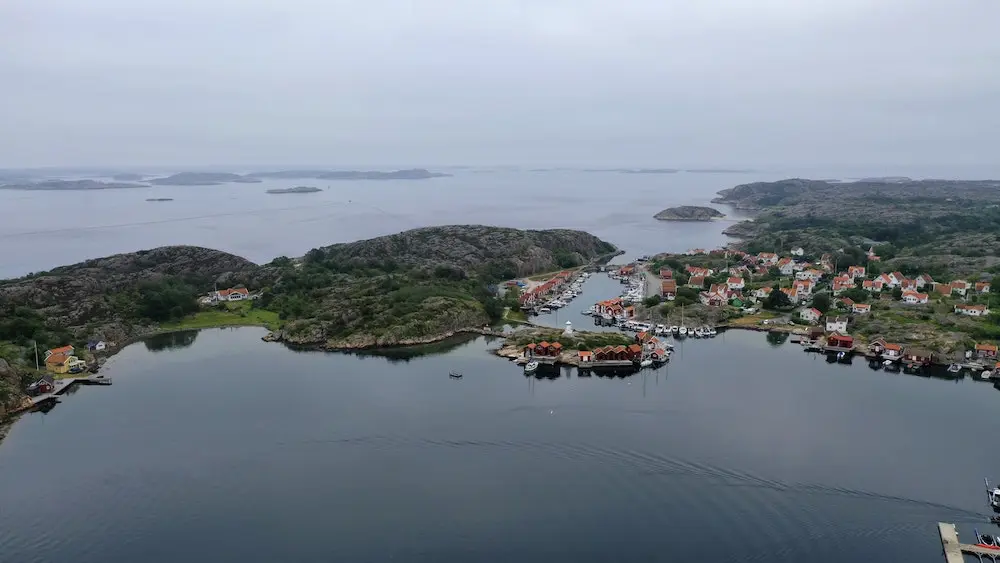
[(915, 298), (861, 308), (982, 287), (735, 283), (810, 315), (972, 310), (232, 294), (842, 284), (855, 272)]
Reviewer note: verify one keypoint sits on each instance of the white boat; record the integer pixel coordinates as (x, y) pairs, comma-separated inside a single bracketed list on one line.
[(712, 332), (530, 366), (994, 495), (682, 331), (660, 329), (954, 368), (986, 374), (587, 312), (674, 329), (646, 363), (887, 363), (545, 310)]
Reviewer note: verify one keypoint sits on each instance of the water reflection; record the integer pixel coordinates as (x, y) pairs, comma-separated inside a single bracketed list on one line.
[(777, 338), (170, 340), (403, 354)]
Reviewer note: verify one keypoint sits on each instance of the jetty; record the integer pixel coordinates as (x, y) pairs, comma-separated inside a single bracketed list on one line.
[(60, 386), (953, 549)]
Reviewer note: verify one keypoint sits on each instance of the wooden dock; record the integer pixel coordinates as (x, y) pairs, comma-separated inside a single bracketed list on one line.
[(60, 386), (953, 549)]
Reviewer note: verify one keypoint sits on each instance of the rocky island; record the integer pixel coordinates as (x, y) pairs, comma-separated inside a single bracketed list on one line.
[(409, 174), (203, 179), (128, 177), (159, 199), (71, 185), (688, 213), (295, 190)]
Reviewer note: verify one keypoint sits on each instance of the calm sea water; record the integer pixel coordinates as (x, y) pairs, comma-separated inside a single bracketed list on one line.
[(243, 219), (215, 446)]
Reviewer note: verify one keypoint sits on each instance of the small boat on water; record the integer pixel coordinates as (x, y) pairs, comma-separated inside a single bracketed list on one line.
[(953, 368), (682, 331), (455, 375), (545, 310), (993, 495), (674, 329), (712, 332), (530, 366), (646, 363), (986, 374), (699, 332)]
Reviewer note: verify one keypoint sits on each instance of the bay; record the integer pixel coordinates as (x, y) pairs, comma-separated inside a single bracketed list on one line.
[(216, 446)]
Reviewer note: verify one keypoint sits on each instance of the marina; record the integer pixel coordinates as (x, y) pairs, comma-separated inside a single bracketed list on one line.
[(60, 386)]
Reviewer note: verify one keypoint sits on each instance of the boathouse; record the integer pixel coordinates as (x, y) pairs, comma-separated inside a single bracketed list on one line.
[(838, 342), (917, 357)]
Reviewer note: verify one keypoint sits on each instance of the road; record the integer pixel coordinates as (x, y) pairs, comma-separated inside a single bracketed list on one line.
[(652, 283)]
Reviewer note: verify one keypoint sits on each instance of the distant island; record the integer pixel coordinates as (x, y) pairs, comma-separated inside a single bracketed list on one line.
[(68, 185), (203, 179), (635, 170), (688, 213), (295, 190), (408, 174), (128, 177), (159, 199), (718, 170)]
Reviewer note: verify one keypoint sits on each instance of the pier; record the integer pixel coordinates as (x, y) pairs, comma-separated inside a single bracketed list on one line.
[(953, 549), (60, 386)]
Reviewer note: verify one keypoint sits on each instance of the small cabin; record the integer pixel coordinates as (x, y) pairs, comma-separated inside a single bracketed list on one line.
[(838, 341), (917, 356), (44, 385), (586, 357)]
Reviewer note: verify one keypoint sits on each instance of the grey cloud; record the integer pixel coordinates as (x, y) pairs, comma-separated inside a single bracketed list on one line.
[(664, 82)]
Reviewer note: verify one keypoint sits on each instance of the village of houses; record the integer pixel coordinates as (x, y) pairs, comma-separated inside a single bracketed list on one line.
[(740, 285)]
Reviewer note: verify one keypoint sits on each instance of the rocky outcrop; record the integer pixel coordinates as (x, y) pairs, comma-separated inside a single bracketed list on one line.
[(689, 213), (12, 399)]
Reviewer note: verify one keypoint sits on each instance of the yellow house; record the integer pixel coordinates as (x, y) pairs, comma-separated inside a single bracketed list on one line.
[(58, 363), (61, 360)]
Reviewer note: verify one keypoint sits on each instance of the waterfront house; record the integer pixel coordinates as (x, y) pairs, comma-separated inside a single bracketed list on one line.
[(917, 356), (960, 287), (735, 283), (861, 308), (767, 258), (42, 386), (786, 266), (892, 351), (839, 342), (982, 287), (842, 284), (555, 349), (855, 272), (798, 251), (232, 294), (668, 289), (836, 324), (58, 363), (626, 271), (986, 351), (634, 352), (972, 310), (913, 298), (586, 357), (97, 345), (810, 315), (696, 281)]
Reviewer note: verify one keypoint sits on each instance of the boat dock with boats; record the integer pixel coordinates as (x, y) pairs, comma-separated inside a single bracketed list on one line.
[(60, 386)]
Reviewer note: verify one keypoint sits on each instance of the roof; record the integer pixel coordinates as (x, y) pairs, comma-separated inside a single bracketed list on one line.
[(735, 280), (700, 279), (862, 306), (62, 350), (766, 289), (986, 347), (836, 320), (585, 353), (56, 359), (634, 348), (815, 311), (892, 346), (532, 345), (918, 352), (555, 345), (543, 344)]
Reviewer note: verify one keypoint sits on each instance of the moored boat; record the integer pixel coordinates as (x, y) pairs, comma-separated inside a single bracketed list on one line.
[(530, 366)]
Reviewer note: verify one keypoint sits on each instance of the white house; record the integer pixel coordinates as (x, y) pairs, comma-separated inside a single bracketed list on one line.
[(798, 251), (914, 298), (960, 287), (767, 258), (810, 274), (238, 294), (842, 284), (972, 310), (810, 315), (762, 292), (97, 345), (802, 288), (861, 308), (836, 324), (786, 266), (735, 283), (924, 280), (855, 272)]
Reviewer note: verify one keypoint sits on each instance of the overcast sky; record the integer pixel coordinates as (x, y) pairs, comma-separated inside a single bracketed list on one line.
[(652, 82)]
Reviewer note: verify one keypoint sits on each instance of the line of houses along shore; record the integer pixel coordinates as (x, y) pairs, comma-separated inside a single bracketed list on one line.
[(805, 276)]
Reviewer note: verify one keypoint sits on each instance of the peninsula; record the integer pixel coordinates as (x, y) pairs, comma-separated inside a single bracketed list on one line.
[(295, 190), (413, 287), (689, 213), (203, 179)]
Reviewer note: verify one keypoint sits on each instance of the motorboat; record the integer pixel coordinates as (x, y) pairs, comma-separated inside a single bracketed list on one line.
[(455, 375), (530, 366), (712, 332), (674, 329), (993, 494), (682, 331), (699, 332), (545, 310), (888, 363), (606, 317), (646, 363), (953, 368), (588, 312), (986, 374)]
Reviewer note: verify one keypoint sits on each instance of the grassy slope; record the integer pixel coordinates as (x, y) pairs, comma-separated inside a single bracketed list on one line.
[(237, 314)]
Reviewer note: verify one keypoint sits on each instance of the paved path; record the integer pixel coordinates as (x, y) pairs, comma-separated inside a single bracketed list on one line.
[(653, 283)]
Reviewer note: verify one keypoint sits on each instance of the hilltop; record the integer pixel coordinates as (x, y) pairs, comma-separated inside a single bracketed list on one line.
[(203, 179)]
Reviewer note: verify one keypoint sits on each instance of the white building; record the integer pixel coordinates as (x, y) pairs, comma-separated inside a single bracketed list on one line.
[(836, 324)]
